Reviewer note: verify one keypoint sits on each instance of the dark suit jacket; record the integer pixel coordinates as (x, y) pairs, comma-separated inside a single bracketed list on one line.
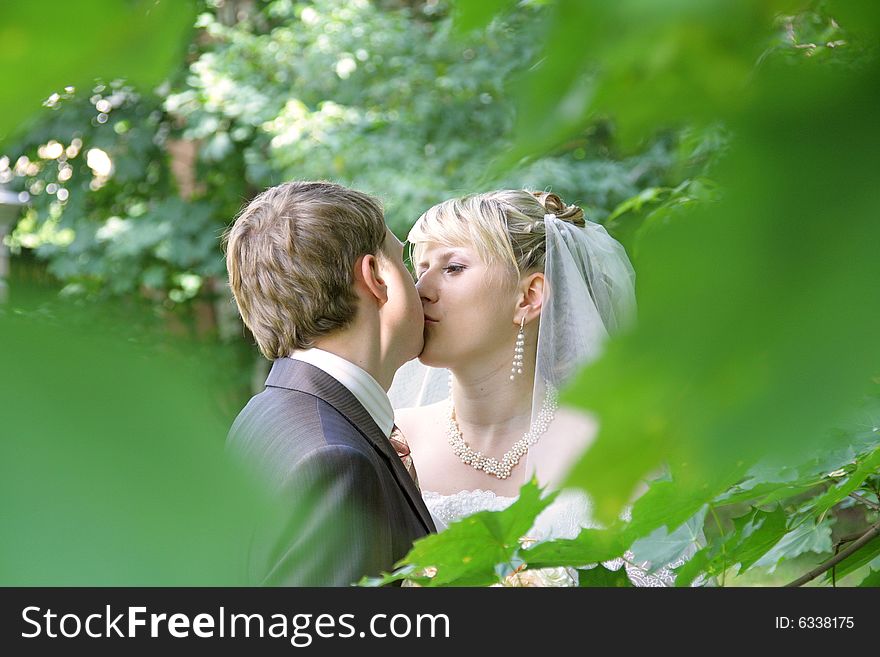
[(349, 506)]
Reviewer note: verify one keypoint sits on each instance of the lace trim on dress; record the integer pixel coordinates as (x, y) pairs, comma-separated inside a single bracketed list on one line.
[(564, 518)]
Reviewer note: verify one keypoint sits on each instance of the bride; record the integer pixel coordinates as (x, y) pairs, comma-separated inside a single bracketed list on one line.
[(519, 291)]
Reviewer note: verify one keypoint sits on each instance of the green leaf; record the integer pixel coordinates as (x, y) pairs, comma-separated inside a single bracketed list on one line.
[(872, 580), (691, 569), (840, 490), (768, 483), (662, 547), (466, 549), (807, 537), (388, 578), (666, 503), (711, 383), (855, 15), (784, 493), (590, 546), (46, 46), (757, 533), (765, 494), (856, 560), (754, 533), (115, 475), (467, 552), (634, 204), (602, 577), (648, 65), (512, 524), (469, 16)]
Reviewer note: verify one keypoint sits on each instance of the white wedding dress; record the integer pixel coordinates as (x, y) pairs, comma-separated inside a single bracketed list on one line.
[(563, 519)]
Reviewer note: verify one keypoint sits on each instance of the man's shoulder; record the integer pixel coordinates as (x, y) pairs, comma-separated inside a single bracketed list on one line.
[(281, 431), (291, 423), (274, 407)]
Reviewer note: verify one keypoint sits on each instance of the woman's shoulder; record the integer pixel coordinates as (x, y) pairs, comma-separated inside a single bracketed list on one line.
[(577, 427), (570, 435), (416, 421)]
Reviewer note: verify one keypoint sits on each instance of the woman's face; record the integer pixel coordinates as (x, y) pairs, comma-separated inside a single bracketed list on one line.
[(468, 304)]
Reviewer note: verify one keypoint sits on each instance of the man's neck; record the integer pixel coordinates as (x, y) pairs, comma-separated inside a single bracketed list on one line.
[(361, 350)]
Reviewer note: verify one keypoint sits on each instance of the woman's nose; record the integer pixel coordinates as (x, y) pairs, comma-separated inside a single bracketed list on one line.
[(427, 290)]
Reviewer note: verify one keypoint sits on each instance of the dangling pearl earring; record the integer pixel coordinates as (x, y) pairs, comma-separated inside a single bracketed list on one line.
[(518, 350)]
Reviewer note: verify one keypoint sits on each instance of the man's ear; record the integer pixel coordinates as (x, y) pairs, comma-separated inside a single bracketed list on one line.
[(531, 297), (368, 274)]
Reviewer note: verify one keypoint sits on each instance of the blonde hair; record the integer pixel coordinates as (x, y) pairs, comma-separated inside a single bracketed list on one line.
[(290, 256), (505, 227)]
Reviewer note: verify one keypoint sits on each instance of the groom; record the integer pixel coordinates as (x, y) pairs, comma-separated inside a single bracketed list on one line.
[(320, 282)]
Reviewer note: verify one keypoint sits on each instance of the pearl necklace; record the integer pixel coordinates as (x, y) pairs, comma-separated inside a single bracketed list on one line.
[(491, 465)]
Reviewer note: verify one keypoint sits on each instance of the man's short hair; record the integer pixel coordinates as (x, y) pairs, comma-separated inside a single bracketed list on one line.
[(290, 256)]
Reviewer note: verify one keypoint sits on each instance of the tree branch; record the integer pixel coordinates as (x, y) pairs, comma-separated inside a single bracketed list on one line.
[(849, 537), (873, 532), (865, 501)]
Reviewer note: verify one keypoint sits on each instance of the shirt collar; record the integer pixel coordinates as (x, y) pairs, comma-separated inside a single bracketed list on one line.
[(358, 382)]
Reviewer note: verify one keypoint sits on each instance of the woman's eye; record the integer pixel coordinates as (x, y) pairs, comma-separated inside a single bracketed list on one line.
[(452, 268)]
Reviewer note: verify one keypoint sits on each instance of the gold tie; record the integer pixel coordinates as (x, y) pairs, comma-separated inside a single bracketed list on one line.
[(402, 448)]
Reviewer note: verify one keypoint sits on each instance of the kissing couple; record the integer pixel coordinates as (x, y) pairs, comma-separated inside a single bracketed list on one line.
[(512, 292)]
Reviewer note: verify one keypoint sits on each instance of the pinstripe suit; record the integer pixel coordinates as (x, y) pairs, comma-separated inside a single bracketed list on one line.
[(353, 509)]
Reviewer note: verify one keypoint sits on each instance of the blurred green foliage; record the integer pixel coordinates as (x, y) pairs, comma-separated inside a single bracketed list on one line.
[(757, 312), (728, 145), (46, 46), (111, 463)]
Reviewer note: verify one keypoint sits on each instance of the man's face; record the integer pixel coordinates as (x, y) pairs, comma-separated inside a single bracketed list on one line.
[(402, 315)]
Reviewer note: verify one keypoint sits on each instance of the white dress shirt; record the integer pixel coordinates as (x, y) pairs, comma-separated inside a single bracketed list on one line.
[(356, 380)]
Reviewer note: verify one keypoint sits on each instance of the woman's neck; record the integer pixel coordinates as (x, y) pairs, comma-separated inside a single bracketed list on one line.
[(492, 411)]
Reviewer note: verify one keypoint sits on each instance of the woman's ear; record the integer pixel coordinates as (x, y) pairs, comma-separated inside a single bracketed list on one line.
[(368, 276), (531, 297)]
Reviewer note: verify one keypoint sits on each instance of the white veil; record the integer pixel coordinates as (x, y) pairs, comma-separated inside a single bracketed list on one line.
[(589, 294)]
